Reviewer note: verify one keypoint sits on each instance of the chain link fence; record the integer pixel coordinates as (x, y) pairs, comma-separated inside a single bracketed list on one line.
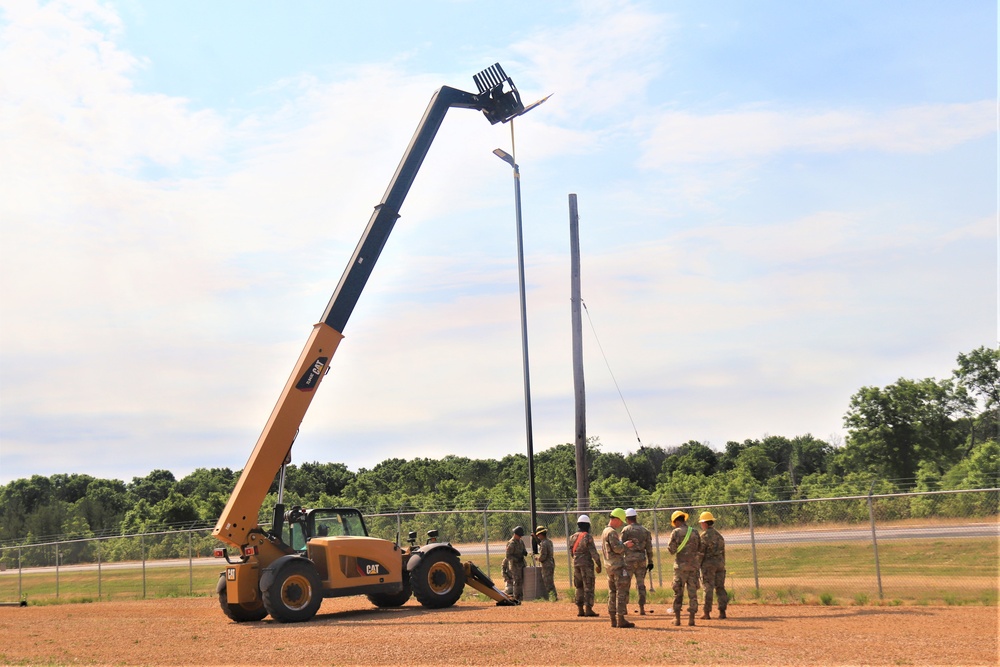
[(162, 564), (932, 547)]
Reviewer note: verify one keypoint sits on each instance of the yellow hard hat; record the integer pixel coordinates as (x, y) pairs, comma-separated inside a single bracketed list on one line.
[(706, 516), (541, 530), (618, 513), (678, 515)]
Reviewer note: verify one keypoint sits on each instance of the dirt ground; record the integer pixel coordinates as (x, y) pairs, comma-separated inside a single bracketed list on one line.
[(349, 631)]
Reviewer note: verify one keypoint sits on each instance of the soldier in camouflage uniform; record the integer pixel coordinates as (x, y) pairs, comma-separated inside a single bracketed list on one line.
[(713, 565), (618, 577), (516, 553), (508, 581), (638, 557), (684, 544), (583, 549), (546, 556)]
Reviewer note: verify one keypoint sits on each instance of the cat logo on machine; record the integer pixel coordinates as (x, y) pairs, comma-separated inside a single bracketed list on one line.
[(231, 573), (311, 377), (370, 568)]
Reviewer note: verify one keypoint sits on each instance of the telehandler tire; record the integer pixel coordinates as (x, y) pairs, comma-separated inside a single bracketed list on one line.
[(295, 592), (438, 580), (386, 600), (240, 613)]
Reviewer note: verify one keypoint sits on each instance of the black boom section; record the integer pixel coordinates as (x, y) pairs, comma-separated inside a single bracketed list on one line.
[(498, 100)]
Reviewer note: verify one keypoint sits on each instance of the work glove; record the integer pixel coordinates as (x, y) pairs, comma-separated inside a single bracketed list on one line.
[(598, 568), (649, 567)]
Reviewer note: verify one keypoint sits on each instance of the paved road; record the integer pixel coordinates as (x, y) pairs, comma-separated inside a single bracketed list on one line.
[(853, 534)]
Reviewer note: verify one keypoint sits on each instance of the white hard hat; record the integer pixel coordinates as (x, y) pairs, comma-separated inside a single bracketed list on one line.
[(630, 512), (583, 518)]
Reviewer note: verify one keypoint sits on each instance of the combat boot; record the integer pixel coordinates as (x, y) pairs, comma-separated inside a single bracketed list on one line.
[(707, 615), (642, 609), (722, 614), (579, 609), (677, 616), (625, 623), (691, 618), (590, 612), (614, 621)]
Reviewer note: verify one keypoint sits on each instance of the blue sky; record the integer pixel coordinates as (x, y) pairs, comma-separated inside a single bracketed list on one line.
[(780, 203)]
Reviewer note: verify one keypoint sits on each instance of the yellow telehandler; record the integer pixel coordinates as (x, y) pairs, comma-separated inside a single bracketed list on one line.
[(311, 554)]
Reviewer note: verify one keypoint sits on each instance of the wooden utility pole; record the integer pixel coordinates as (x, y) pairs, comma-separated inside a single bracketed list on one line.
[(582, 480)]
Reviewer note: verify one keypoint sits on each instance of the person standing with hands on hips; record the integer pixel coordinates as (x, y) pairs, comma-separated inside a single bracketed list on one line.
[(618, 576)]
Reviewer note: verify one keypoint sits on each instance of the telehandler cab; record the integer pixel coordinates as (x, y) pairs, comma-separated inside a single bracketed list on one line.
[(311, 554)]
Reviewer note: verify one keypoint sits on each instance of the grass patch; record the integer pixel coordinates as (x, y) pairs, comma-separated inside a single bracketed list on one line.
[(826, 599), (910, 569), (920, 571)]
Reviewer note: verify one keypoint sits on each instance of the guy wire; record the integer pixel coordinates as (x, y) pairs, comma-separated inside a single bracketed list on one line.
[(601, 348)]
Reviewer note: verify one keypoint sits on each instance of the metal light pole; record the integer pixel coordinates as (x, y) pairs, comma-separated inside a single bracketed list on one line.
[(509, 159)]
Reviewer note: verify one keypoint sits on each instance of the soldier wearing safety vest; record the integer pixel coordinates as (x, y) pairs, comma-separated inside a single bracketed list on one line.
[(684, 544), (583, 549), (713, 565)]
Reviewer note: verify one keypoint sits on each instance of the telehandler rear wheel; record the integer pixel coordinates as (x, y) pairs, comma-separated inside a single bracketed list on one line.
[(438, 579), (241, 613), (295, 593)]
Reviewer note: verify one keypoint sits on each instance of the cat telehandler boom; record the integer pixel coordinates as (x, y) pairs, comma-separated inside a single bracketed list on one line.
[(311, 554)]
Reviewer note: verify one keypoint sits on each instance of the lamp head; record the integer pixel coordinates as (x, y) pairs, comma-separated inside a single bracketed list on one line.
[(505, 156)]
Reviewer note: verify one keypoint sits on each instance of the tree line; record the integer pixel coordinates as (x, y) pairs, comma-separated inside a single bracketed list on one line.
[(918, 435)]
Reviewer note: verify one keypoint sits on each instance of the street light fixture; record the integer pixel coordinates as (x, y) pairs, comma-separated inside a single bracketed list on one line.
[(509, 159)]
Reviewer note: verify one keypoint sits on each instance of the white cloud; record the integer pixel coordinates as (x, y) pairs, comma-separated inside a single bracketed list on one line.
[(166, 263), (679, 137), (604, 59)]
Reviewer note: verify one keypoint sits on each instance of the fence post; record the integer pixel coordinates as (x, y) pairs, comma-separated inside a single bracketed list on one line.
[(20, 591), (486, 538), (142, 554), (399, 524), (569, 556), (753, 543), (57, 570), (190, 566), (98, 569), (871, 516), (656, 533)]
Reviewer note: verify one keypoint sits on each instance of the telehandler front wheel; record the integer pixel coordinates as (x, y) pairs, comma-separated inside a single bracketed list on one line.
[(294, 593), (241, 613), (384, 600), (438, 579)]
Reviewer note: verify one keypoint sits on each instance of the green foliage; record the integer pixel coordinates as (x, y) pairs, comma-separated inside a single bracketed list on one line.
[(979, 372), (924, 435), (893, 429)]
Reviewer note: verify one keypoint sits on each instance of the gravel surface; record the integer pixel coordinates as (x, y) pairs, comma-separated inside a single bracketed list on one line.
[(349, 631)]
